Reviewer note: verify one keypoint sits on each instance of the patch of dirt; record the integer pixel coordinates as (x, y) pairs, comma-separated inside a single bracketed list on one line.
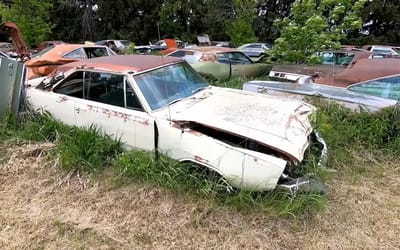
[(43, 207)]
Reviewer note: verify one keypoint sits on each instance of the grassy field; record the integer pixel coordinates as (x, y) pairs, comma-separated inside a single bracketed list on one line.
[(70, 188)]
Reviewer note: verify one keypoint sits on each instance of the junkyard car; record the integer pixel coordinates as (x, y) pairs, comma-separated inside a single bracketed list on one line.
[(44, 62), (383, 49), (221, 63), (116, 45), (255, 49), (345, 68), (371, 95), (161, 104)]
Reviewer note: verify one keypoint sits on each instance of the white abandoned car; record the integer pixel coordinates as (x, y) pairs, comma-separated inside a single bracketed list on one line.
[(161, 104)]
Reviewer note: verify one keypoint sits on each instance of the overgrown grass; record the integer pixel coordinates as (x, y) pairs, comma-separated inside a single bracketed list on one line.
[(84, 149), (348, 135), (185, 178)]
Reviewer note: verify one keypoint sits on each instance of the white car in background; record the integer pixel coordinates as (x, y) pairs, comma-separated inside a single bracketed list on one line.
[(255, 49)]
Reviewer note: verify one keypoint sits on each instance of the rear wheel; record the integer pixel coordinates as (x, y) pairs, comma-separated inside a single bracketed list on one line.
[(209, 180)]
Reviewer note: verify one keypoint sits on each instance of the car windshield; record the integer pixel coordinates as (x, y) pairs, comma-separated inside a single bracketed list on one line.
[(388, 87), (397, 50), (169, 84)]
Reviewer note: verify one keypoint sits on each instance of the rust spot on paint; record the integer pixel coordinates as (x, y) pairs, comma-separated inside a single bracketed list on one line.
[(62, 99), (200, 159)]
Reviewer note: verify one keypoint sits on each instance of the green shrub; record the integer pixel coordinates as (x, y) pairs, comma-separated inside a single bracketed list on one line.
[(347, 132)]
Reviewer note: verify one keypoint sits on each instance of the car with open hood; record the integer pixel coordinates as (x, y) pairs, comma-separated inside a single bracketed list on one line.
[(220, 63), (161, 104), (47, 60)]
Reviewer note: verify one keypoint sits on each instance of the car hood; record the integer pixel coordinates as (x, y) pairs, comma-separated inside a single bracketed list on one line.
[(280, 124)]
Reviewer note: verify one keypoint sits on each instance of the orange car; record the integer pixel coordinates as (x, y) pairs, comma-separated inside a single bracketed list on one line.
[(44, 62)]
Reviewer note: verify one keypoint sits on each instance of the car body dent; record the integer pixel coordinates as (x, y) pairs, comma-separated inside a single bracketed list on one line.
[(243, 168), (282, 125)]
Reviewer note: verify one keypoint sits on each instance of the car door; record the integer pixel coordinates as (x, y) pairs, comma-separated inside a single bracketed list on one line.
[(242, 66), (110, 103)]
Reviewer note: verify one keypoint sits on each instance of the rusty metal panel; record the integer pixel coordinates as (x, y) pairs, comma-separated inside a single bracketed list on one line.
[(12, 77)]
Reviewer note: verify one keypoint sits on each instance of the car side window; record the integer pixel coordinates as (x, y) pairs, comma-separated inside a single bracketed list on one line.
[(109, 89), (132, 101), (254, 46), (179, 53), (105, 88), (72, 85), (95, 52), (238, 58), (100, 87), (386, 87), (76, 54), (222, 58)]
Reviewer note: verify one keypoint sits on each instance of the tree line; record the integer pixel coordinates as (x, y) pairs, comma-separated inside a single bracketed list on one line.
[(289, 23)]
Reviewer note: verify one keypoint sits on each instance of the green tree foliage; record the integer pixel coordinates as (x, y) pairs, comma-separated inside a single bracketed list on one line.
[(314, 26), (267, 12), (74, 20), (135, 20), (383, 17), (182, 18), (241, 29), (215, 18), (32, 17)]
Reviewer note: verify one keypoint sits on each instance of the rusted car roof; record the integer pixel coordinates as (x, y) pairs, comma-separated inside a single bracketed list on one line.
[(120, 63), (364, 69)]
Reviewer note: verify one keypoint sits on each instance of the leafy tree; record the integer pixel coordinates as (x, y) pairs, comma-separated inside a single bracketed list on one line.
[(182, 18), (215, 18), (75, 20), (267, 12), (383, 21), (135, 20), (32, 18), (241, 29), (314, 26)]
